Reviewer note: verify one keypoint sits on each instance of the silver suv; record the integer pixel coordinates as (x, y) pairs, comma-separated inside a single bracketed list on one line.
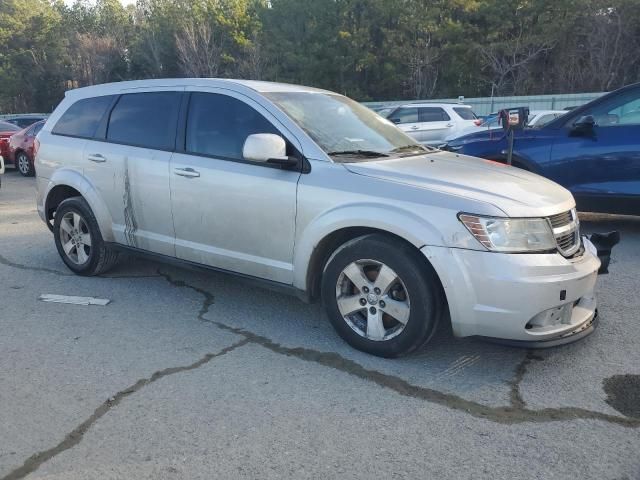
[(313, 192), (433, 123)]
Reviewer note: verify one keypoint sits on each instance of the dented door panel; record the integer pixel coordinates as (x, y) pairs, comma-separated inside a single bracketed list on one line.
[(134, 182)]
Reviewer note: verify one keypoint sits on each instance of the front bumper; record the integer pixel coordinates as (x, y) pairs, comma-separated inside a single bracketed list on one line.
[(518, 297)]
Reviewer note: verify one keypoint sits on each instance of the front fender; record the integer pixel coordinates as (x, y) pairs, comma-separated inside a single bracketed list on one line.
[(384, 217), (74, 179)]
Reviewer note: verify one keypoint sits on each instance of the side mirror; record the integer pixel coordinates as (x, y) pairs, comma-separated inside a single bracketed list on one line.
[(267, 148), (584, 125), (395, 120)]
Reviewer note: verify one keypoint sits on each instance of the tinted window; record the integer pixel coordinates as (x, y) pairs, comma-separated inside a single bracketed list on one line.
[(218, 125), (433, 114), (405, 115), (145, 119), (465, 113), (82, 118), (8, 127)]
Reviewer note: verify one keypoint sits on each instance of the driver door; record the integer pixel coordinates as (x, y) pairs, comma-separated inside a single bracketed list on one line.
[(228, 212), (601, 167)]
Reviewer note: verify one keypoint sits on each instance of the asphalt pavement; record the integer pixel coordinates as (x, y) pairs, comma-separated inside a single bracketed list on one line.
[(199, 375)]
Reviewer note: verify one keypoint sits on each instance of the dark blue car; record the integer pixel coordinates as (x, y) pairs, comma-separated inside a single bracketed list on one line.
[(593, 150)]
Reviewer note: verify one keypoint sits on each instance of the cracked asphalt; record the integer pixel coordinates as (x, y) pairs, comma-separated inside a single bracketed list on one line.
[(201, 375)]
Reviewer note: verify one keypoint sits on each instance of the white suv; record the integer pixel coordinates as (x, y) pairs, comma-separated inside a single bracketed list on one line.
[(432, 123), (315, 194)]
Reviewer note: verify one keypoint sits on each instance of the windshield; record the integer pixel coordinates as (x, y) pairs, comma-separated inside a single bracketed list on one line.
[(344, 128)]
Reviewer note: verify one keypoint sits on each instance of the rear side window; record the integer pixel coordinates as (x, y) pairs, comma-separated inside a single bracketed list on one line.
[(218, 125), (405, 115), (433, 114), (83, 117), (145, 120), (465, 113)]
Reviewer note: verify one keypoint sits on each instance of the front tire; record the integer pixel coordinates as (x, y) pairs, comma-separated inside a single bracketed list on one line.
[(380, 296), (23, 164), (78, 239)]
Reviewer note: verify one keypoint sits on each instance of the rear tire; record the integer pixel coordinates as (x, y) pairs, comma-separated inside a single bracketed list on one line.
[(78, 239), (23, 165), (380, 296)]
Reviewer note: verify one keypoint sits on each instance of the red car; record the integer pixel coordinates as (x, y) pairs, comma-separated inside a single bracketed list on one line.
[(6, 130), (21, 149)]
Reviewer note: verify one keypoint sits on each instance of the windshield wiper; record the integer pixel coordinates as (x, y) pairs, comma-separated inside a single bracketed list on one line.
[(360, 153)]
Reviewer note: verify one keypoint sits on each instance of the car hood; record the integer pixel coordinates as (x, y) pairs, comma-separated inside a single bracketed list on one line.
[(516, 192)]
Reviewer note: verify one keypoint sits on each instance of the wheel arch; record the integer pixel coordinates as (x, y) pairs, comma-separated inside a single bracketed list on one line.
[(69, 183), (323, 238), (19, 150)]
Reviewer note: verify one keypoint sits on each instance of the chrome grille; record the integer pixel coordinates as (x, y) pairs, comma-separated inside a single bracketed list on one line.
[(560, 219), (566, 230)]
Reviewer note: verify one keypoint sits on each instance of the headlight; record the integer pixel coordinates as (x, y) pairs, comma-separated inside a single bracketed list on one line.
[(510, 234)]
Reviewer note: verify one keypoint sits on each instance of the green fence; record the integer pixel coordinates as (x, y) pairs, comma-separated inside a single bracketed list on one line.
[(486, 105)]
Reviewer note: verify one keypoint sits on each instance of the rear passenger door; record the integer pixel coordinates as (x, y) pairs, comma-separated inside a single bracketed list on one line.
[(229, 212), (128, 163), (435, 124)]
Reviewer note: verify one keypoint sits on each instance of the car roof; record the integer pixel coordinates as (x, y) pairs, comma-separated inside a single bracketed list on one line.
[(258, 86), (434, 104), (545, 112), (8, 127)]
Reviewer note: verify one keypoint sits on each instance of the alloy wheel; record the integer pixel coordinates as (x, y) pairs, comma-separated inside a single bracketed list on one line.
[(23, 163), (75, 238), (373, 300)]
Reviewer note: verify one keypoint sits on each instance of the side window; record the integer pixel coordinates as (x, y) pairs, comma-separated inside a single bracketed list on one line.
[(405, 115), (146, 120), (465, 113), (433, 114), (621, 110), (83, 117), (218, 125)]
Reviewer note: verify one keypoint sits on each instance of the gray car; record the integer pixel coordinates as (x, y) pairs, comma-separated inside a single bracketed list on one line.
[(313, 193)]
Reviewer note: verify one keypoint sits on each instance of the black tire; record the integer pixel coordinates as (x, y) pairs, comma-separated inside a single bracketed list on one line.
[(101, 257), (418, 278), (23, 165)]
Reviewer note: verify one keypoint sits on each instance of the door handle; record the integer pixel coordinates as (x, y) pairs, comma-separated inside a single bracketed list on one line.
[(414, 127), (449, 125), (96, 157), (186, 172)]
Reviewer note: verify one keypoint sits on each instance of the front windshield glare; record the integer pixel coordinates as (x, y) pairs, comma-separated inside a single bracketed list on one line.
[(341, 126)]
